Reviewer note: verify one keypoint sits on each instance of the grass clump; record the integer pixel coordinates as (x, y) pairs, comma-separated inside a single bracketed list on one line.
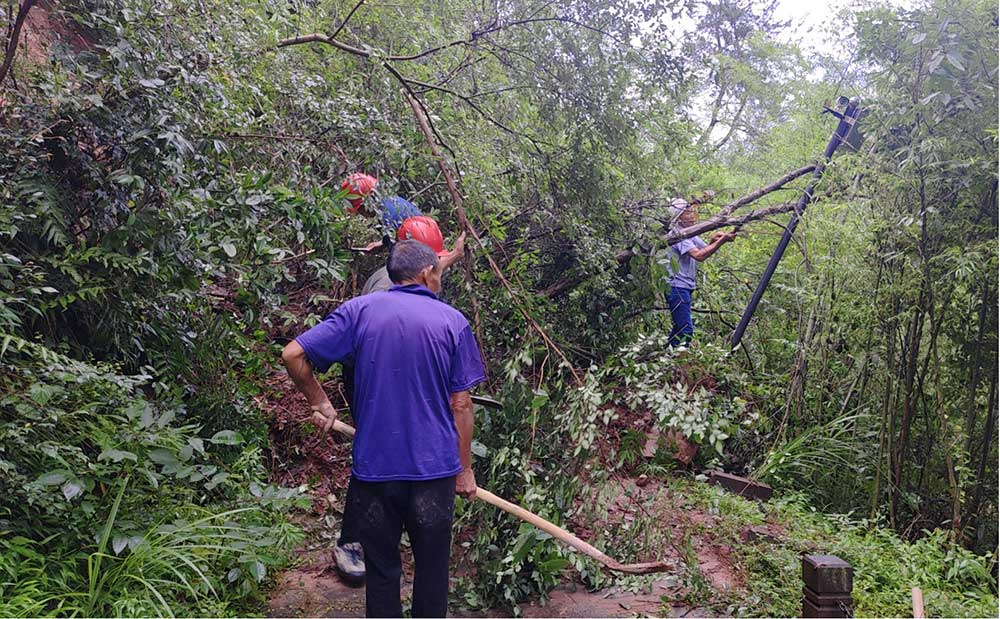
[(116, 503), (955, 581)]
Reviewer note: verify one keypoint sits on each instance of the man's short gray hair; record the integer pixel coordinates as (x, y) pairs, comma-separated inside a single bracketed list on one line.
[(407, 259)]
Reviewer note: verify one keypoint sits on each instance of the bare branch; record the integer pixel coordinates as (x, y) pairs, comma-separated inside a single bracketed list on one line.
[(427, 116), (357, 51), (346, 19), (763, 191), (456, 196), (15, 34), (322, 38), (733, 124), (722, 221), (468, 100)]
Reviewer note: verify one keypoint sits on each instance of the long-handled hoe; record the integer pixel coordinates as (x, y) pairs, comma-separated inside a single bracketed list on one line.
[(543, 524)]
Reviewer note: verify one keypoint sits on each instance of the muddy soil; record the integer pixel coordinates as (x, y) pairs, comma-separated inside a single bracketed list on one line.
[(313, 590)]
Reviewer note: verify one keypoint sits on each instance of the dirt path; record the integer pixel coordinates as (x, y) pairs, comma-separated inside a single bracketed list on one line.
[(313, 590)]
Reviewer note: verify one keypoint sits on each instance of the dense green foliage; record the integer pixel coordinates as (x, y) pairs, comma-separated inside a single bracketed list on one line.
[(170, 213)]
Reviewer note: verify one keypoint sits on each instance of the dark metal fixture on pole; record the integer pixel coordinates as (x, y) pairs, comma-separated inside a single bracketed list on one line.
[(844, 134)]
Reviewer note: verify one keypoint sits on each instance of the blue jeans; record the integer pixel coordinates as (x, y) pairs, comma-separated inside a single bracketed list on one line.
[(679, 302)]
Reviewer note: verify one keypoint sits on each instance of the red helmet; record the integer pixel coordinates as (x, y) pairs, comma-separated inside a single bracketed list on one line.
[(358, 186), (424, 229)]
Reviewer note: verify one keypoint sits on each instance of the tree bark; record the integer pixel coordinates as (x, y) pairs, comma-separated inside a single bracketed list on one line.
[(15, 35), (914, 332), (988, 444)]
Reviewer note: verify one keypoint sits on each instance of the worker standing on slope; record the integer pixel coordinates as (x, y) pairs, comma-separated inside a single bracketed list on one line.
[(348, 555), (687, 254), (416, 359)]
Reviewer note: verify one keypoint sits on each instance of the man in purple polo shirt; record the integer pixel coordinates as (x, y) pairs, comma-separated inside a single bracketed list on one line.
[(415, 360)]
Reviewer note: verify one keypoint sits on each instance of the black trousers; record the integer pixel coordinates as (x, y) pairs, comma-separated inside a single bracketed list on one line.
[(426, 510)]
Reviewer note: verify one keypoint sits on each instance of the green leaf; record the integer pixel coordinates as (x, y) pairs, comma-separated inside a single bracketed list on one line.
[(258, 570), (146, 419), (553, 565), (152, 83), (119, 543), (52, 479), (226, 437), (918, 38), (523, 545), (117, 455), (229, 248), (165, 419), (164, 457), (539, 400), (955, 59), (72, 489), (197, 444)]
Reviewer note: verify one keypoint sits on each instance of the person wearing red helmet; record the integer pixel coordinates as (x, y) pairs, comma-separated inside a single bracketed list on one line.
[(424, 229), (358, 186)]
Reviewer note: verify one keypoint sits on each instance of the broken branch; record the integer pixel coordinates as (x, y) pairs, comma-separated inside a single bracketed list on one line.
[(713, 223), (456, 197), (755, 195)]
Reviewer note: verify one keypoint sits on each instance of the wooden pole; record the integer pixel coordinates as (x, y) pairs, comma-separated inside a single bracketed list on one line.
[(534, 519), (918, 603)]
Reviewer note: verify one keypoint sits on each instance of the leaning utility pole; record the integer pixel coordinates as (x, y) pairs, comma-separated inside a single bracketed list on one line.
[(845, 133)]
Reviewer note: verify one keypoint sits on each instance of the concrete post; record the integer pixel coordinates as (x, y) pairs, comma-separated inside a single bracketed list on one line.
[(828, 582)]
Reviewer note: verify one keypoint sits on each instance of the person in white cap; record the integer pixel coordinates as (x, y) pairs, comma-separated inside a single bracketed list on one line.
[(685, 256)]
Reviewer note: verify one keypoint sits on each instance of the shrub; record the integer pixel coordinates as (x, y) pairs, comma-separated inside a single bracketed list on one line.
[(118, 505)]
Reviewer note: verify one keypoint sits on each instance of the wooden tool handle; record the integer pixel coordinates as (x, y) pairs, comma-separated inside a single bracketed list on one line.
[(343, 428), (534, 519), (568, 538), (320, 419)]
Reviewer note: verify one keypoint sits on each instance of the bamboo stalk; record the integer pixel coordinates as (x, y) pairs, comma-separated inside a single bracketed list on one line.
[(535, 520)]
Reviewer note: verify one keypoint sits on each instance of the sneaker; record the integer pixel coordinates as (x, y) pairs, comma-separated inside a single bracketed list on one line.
[(349, 560)]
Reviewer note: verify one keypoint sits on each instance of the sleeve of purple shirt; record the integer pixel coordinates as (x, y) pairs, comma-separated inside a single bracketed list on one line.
[(331, 341), (466, 364)]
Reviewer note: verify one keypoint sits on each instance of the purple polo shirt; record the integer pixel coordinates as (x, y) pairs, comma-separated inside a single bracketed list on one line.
[(410, 353)]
